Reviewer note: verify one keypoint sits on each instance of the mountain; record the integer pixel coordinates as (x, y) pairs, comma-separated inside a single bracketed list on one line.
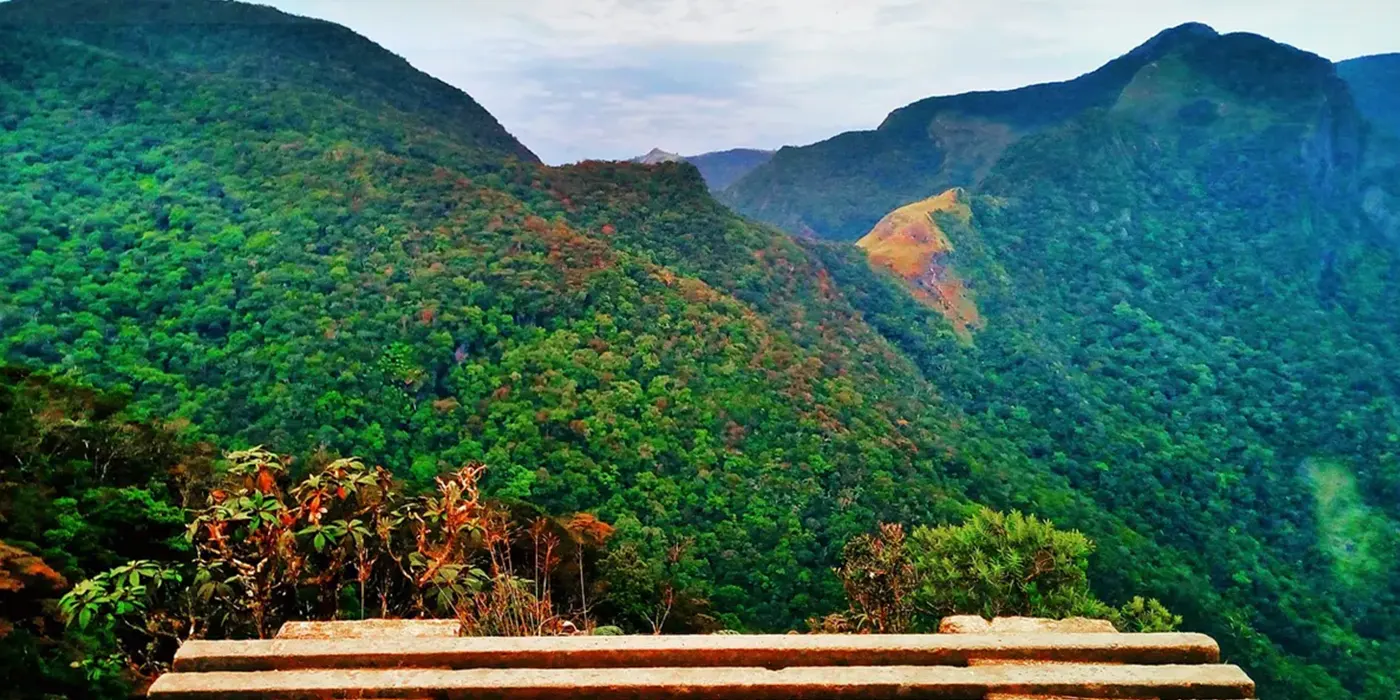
[(266, 229), (282, 260), (1375, 81), (839, 188), (910, 242), (657, 156), (723, 168), (720, 168), (1184, 304), (260, 44)]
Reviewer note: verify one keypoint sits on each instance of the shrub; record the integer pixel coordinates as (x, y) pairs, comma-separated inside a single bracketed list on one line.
[(879, 579), (997, 565), (993, 565)]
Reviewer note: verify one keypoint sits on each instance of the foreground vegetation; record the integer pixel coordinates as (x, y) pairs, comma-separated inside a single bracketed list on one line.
[(148, 541), (252, 540)]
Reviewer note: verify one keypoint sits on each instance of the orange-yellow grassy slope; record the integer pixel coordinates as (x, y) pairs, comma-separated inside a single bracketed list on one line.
[(909, 242)]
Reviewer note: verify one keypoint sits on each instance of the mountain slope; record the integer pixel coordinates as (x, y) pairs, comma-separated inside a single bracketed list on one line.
[(723, 168), (294, 263), (1375, 81), (720, 168), (910, 242), (839, 188), (266, 47), (657, 156), (285, 263), (1189, 313)]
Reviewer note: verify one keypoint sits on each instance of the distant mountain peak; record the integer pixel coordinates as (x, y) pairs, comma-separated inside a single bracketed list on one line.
[(1167, 39), (719, 168), (264, 43), (656, 156)]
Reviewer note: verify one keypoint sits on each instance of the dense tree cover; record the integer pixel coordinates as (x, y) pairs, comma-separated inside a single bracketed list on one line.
[(83, 488), (150, 541), (270, 48), (278, 264), (1196, 326), (247, 240), (839, 188), (345, 542)]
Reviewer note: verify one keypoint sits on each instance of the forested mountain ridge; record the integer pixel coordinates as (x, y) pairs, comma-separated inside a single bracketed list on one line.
[(283, 263), (719, 168), (839, 188), (264, 46), (723, 168), (1188, 306), (290, 262)]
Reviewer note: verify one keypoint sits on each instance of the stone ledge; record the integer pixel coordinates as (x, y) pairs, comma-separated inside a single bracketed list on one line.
[(763, 651), (868, 683), (369, 629), (972, 624)]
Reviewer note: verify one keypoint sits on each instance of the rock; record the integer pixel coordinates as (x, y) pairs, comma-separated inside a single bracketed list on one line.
[(1025, 625), (755, 683), (1002, 696), (370, 629), (963, 624)]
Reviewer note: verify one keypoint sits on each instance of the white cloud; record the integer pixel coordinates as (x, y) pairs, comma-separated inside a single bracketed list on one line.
[(613, 78)]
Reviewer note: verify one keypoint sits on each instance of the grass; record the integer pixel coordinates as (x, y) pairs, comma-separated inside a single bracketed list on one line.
[(910, 243), (1351, 532)]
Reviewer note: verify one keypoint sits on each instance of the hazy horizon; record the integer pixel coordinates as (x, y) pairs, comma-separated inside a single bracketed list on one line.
[(576, 79)]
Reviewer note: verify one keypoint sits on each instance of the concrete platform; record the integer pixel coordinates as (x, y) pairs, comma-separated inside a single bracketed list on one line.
[(422, 659), (763, 651), (811, 683), (369, 629)]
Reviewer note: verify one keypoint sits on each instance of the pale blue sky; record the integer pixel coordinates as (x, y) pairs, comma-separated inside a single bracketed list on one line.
[(613, 78)]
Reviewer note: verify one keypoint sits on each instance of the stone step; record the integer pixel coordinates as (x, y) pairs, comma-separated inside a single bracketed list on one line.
[(811, 683), (763, 651), (369, 629)]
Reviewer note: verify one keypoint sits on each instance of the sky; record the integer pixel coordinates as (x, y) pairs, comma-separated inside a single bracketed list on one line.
[(576, 79)]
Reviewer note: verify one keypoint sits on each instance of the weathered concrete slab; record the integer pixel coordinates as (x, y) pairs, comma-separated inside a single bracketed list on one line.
[(1006, 696), (763, 651), (868, 683), (963, 624), (1031, 625), (369, 629)]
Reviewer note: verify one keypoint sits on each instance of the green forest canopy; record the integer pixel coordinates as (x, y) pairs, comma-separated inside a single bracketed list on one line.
[(1180, 315)]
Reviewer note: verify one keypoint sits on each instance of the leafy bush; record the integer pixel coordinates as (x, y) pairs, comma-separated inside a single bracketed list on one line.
[(997, 565), (993, 565), (343, 542)]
